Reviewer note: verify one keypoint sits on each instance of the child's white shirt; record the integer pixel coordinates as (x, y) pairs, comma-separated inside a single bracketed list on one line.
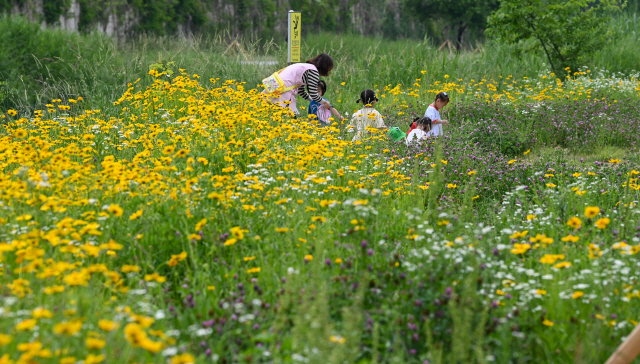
[(416, 136), (363, 118), (433, 114)]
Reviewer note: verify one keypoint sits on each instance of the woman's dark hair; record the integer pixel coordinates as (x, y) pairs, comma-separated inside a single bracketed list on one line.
[(442, 96), (323, 86), (367, 97), (425, 120), (323, 63)]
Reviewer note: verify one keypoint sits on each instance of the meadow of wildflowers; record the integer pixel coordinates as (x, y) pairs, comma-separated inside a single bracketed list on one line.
[(194, 222)]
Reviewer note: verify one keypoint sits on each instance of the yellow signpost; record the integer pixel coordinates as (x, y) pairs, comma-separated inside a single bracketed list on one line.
[(295, 36)]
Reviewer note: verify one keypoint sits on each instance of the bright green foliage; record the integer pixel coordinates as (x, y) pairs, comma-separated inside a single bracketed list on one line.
[(568, 31)]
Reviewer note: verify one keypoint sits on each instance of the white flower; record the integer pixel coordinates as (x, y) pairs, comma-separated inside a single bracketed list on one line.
[(170, 351), (204, 332)]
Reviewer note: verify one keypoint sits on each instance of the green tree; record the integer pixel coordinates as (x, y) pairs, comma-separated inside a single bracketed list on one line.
[(568, 31), (460, 16), (465, 15)]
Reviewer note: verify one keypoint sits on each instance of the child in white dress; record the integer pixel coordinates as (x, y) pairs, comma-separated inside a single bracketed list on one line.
[(366, 117)]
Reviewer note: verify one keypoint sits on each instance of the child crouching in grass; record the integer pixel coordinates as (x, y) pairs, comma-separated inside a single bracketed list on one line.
[(433, 112), (366, 117), (422, 130), (321, 111)]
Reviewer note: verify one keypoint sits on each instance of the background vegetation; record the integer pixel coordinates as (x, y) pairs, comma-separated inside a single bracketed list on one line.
[(39, 65)]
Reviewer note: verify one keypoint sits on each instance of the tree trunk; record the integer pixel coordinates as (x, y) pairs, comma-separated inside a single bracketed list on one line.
[(461, 28)]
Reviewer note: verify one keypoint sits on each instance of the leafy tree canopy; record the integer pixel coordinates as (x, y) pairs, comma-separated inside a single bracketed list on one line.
[(568, 31)]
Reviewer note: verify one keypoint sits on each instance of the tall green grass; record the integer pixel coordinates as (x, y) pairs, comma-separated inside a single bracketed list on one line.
[(40, 65)]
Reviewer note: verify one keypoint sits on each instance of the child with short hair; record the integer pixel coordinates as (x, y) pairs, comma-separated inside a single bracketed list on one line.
[(422, 130), (367, 116), (433, 112), (320, 110)]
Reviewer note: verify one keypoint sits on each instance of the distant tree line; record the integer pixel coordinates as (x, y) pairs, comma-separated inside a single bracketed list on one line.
[(460, 22)]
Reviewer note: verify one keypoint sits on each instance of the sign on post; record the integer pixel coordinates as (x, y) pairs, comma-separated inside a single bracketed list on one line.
[(295, 36)]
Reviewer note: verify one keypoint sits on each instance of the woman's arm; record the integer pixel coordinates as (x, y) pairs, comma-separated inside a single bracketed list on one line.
[(311, 78)]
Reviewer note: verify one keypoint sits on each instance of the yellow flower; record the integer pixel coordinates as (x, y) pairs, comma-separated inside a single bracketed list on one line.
[(115, 210), (562, 265), (527, 152), (155, 277), (591, 211), (67, 328), (40, 312), (577, 294), (282, 230), (512, 161), (200, 224), (574, 222), (520, 248), (181, 153), (519, 234), (135, 215), (308, 257), (547, 323), (451, 185), (541, 292), (21, 133), (53, 289), (471, 173), (12, 112), (5, 339), (338, 261), (237, 232), (337, 339), (211, 288), (571, 238), (107, 325), (231, 241), (614, 161), (551, 185), (183, 359), (531, 217), (551, 258), (246, 259), (129, 268), (443, 161), (94, 344), (177, 258), (319, 218), (24, 218), (94, 359), (26, 325), (254, 270), (577, 174), (603, 223), (168, 150)]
